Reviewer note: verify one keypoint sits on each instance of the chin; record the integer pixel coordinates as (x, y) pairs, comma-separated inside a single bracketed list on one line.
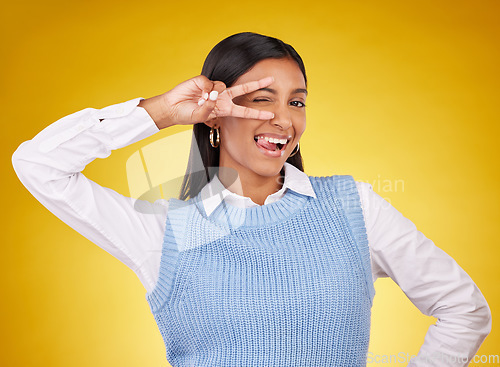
[(268, 169)]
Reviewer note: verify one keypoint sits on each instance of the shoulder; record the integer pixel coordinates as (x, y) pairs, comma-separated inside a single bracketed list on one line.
[(339, 179), (336, 183), (364, 189)]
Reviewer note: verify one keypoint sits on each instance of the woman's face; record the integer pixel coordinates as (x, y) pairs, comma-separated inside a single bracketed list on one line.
[(285, 97)]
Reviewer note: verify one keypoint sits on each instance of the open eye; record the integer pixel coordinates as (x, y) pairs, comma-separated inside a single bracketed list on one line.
[(298, 104)]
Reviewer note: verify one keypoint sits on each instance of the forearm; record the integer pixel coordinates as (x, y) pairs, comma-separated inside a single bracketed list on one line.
[(432, 280)]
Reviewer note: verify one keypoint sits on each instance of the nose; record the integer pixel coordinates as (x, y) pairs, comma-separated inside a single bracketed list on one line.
[(282, 117)]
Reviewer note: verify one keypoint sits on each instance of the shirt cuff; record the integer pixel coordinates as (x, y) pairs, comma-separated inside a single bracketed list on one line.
[(126, 123)]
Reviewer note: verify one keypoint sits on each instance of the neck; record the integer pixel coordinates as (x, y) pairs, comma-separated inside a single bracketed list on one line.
[(256, 187)]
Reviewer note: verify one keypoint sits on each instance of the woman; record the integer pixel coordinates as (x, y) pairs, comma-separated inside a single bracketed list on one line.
[(256, 263)]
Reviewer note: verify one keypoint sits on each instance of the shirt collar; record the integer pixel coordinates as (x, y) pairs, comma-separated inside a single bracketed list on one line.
[(214, 192)]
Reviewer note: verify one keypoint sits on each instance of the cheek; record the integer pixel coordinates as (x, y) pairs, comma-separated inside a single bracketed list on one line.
[(235, 132), (300, 126)]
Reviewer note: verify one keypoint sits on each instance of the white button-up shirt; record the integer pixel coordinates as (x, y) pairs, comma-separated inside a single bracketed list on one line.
[(50, 166)]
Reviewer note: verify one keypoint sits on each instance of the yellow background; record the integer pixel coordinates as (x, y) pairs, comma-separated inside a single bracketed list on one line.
[(399, 91)]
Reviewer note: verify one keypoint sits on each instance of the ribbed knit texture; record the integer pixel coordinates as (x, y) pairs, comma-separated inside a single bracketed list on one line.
[(283, 284)]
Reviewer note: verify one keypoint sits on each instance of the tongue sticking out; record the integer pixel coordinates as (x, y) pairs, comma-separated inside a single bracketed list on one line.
[(266, 145)]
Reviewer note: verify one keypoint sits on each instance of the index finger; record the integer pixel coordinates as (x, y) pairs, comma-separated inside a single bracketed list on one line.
[(249, 87)]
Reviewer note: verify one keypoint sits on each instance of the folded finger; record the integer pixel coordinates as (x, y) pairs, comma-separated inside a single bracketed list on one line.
[(218, 86), (206, 87), (208, 101), (212, 93), (206, 108)]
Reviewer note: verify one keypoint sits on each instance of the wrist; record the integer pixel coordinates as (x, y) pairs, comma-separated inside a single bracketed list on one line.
[(157, 110)]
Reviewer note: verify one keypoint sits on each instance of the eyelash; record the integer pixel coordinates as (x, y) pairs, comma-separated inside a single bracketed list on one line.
[(303, 104), (266, 100)]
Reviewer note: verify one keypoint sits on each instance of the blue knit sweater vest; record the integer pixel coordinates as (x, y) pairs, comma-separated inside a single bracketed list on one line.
[(282, 284)]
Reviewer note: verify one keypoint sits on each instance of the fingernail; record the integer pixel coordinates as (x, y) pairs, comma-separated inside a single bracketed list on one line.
[(205, 96), (201, 101), (213, 95)]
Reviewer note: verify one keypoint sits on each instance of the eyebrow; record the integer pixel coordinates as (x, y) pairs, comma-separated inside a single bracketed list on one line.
[(273, 91)]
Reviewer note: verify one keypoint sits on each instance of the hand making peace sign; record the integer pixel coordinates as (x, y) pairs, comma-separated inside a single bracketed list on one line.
[(199, 99)]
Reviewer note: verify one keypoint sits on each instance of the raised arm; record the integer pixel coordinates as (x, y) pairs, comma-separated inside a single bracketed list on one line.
[(432, 280), (50, 165)]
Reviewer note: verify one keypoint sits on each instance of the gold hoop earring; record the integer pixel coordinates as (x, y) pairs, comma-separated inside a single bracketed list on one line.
[(291, 155), (212, 137)]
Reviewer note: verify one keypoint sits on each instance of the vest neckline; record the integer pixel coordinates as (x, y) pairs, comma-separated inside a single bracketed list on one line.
[(230, 215)]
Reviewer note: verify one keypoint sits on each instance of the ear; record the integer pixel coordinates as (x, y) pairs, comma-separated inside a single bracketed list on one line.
[(213, 123)]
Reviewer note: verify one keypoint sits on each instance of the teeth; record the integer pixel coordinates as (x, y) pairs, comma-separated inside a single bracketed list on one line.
[(273, 140)]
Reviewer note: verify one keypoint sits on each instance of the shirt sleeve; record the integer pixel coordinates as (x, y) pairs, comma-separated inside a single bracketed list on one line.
[(431, 279), (50, 165)]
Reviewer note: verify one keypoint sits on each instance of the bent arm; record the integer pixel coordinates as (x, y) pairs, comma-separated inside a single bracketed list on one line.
[(432, 280), (50, 165)]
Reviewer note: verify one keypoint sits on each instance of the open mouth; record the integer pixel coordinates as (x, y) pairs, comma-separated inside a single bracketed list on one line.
[(271, 144)]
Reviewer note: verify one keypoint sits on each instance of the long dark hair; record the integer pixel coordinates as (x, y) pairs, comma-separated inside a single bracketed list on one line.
[(226, 62)]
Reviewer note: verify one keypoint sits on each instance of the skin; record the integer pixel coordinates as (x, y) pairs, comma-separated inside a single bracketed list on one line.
[(269, 98), (259, 175)]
